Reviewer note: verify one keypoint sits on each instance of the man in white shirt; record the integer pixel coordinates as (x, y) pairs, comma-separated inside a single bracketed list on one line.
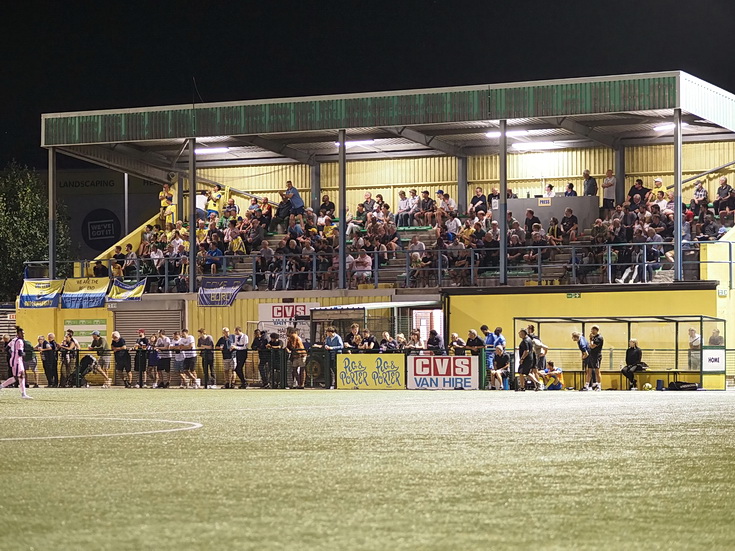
[(416, 245), (453, 223), (484, 220), (163, 370), (695, 352), (404, 208), (240, 346), (187, 344), (608, 193)]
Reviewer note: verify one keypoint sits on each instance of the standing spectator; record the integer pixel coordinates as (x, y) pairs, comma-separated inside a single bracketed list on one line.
[(716, 339), (695, 347), (457, 344), (122, 358), (275, 344), (474, 343), (205, 343), (166, 199), (350, 338), (260, 345), (540, 350), (333, 343), (590, 184), (142, 344), (226, 344), (608, 193), (531, 219), (30, 362), (69, 350), (297, 203), (163, 369), (595, 358), (241, 355), (188, 345), (525, 362), (295, 347), (489, 348), (368, 341), (50, 359)]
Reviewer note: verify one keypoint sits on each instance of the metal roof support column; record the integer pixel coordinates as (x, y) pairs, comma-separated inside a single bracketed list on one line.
[(126, 187), (620, 186), (192, 215), (180, 198), (462, 185), (503, 202), (51, 212), (316, 187), (342, 198), (678, 198)]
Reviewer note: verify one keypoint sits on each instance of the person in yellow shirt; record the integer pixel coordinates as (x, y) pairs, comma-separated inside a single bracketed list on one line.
[(213, 200), (166, 199), (202, 231)]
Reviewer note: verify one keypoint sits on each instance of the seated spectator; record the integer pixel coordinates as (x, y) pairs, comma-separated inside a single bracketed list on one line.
[(388, 236), (538, 228), (598, 229), (569, 191), (633, 363), (700, 197), (727, 208), (282, 216), (130, 268), (708, 230), (478, 203), (636, 203), (569, 225), (500, 369), (404, 207), (531, 219), (554, 233), (518, 231), (384, 215), (415, 245), (100, 270), (723, 194), (538, 249), (515, 250), (453, 223), (426, 210), (358, 222), (327, 206), (447, 206), (253, 237), (659, 200), (638, 189), (549, 191), (363, 267), (213, 259), (510, 195), (369, 202), (553, 377)]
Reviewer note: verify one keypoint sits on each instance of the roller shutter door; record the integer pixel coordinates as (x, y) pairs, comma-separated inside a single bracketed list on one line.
[(128, 323)]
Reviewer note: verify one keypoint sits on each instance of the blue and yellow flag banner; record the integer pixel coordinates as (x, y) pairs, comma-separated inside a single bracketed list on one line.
[(41, 293), (219, 291), (121, 292), (88, 292)]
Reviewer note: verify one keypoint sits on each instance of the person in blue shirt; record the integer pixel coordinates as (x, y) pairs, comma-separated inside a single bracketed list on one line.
[(334, 344), (213, 259), (584, 348), (297, 203)]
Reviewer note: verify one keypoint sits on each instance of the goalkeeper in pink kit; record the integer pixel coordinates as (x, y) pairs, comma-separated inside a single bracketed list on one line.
[(16, 363)]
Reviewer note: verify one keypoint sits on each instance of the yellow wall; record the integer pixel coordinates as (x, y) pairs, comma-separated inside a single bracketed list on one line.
[(246, 309), (41, 321), (527, 172), (472, 311)]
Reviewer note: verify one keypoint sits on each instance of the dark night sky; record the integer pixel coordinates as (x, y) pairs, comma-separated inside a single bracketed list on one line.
[(67, 56)]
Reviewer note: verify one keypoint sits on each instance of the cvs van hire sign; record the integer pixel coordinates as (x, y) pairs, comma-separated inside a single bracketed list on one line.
[(443, 372)]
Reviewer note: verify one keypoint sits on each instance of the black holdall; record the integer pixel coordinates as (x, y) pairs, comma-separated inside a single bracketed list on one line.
[(682, 385)]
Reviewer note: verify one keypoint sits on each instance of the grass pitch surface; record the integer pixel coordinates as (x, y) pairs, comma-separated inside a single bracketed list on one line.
[(366, 470)]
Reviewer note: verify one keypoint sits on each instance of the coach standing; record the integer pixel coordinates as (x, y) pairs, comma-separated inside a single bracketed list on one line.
[(241, 355)]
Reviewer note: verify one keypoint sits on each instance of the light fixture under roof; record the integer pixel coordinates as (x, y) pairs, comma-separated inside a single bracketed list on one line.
[(509, 133), (668, 126), (353, 143), (211, 150), (536, 146)]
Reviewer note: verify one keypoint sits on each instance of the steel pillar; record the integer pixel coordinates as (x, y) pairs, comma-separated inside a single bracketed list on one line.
[(678, 199), (462, 185), (342, 198), (126, 183), (192, 215), (619, 168), (52, 212), (316, 187), (503, 202)]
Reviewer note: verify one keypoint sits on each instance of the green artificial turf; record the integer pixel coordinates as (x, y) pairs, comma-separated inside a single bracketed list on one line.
[(368, 470)]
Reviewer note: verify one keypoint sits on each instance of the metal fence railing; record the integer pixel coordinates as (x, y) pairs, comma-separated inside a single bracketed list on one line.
[(448, 266)]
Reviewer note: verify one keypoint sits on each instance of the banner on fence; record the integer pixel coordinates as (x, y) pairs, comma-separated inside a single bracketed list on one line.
[(443, 372), (276, 317), (85, 292), (41, 293), (371, 371), (219, 291), (121, 292)]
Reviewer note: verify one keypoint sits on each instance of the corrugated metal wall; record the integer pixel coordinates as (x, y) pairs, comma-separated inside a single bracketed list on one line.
[(528, 173)]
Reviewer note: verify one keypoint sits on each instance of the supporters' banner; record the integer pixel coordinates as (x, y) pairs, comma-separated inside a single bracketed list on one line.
[(219, 291), (120, 292), (371, 371), (41, 293), (85, 292), (443, 372)]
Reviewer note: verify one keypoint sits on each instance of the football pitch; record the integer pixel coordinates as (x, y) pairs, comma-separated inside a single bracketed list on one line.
[(259, 469)]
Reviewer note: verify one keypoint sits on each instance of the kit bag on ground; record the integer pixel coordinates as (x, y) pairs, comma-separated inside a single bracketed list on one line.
[(682, 385)]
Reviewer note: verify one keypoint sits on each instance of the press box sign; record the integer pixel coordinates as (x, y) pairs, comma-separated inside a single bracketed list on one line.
[(443, 372)]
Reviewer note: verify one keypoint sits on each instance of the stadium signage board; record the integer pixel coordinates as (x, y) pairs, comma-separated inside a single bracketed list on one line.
[(371, 371), (443, 372)]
